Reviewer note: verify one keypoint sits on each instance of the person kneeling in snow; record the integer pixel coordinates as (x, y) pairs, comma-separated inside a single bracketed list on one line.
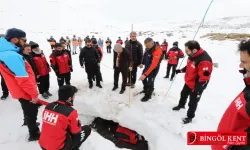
[(121, 64), (61, 127), (151, 60)]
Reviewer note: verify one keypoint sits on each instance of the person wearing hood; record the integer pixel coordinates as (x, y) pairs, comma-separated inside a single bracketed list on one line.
[(20, 78), (68, 43), (173, 56), (43, 69), (89, 57), (151, 62), (62, 129), (120, 65), (61, 63), (197, 75), (62, 40)]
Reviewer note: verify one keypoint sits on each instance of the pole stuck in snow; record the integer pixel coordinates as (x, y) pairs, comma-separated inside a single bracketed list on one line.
[(130, 77), (202, 22)]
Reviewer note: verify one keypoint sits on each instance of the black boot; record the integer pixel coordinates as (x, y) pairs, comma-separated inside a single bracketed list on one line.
[(166, 77), (45, 96), (146, 98), (187, 120), (34, 137), (90, 84), (114, 88), (4, 96), (122, 91), (48, 93), (99, 85), (177, 108)]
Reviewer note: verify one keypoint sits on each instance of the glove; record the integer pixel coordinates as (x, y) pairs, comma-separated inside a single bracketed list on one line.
[(178, 71), (130, 68)]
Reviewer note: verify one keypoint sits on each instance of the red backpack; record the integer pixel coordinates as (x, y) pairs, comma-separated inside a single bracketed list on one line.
[(126, 135)]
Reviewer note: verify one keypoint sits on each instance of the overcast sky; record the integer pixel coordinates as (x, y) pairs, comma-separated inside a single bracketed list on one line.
[(62, 14)]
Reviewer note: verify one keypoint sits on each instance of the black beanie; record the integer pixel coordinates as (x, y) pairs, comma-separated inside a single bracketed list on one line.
[(14, 33), (33, 44)]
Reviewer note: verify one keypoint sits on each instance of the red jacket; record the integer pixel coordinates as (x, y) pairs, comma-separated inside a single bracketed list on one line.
[(60, 122), (41, 64), (236, 118), (61, 62), (198, 69), (17, 72), (164, 46), (174, 55), (119, 41)]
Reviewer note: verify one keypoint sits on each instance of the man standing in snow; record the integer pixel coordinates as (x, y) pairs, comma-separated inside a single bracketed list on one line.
[(90, 58), (19, 77), (62, 129), (151, 61), (236, 117), (197, 75), (135, 54)]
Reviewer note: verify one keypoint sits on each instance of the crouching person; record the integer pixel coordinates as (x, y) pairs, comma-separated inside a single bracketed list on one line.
[(61, 128), (121, 65)]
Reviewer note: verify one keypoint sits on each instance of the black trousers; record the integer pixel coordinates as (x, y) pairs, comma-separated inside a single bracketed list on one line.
[(124, 72), (92, 70), (61, 78), (173, 70), (43, 83), (148, 82), (164, 55), (76, 144), (4, 87), (108, 49), (133, 74), (194, 98), (30, 111), (68, 47)]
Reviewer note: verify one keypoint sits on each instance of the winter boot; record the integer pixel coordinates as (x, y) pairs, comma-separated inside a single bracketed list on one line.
[(177, 108), (146, 98), (99, 85), (166, 77), (114, 88), (4, 96), (44, 95), (34, 137), (122, 91), (132, 85), (48, 93), (186, 120)]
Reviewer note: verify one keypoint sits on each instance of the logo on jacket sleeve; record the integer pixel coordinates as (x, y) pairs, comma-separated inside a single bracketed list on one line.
[(238, 103), (50, 118)]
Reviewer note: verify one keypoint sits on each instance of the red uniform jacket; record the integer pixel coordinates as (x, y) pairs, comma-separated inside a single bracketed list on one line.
[(60, 121), (198, 69), (119, 41), (41, 64), (61, 62), (164, 46), (236, 118), (173, 55)]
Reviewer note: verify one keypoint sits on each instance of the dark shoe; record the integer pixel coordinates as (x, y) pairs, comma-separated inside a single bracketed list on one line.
[(122, 91), (91, 86), (145, 98), (114, 88), (99, 85), (186, 120), (44, 95), (166, 77), (48, 93), (4, 97), (177, 108), (34, 137), (132, 86)]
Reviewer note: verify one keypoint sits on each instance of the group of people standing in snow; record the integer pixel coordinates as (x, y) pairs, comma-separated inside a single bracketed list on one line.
[(24, 67)]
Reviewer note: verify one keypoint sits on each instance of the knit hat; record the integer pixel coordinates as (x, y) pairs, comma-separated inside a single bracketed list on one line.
[(118, 48), (175, 44), (33, 45), (14, 33)]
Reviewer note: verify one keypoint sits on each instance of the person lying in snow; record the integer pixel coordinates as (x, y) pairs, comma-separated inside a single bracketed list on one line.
[(122, 137)]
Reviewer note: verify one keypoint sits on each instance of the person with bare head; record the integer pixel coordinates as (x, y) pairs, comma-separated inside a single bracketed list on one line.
[(20, 78), (135, 54)]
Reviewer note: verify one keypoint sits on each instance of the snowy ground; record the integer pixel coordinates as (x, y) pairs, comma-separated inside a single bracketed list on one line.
[(154, 119)]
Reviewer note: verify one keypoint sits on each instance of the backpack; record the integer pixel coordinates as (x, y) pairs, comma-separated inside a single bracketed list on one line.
[(126, 135)]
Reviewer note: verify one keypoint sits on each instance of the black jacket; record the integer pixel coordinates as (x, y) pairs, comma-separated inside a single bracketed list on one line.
[(124, 59), (32, 63), (135, 48), (89, 55)]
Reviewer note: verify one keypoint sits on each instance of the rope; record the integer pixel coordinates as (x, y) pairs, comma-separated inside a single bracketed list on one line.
[(202, 21)]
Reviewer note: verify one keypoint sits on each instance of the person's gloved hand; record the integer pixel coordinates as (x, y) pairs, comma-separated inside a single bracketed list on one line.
[(178, 71)]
